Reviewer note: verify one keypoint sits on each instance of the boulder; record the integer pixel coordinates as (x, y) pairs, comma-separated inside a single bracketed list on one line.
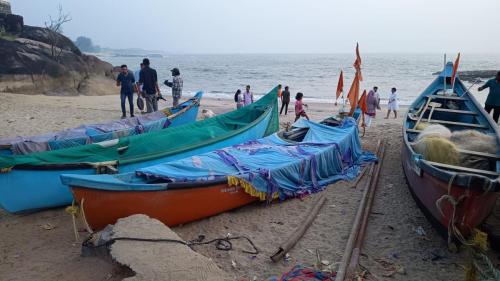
[(44, 35), (12, 24), (29, 67), (154, 260)]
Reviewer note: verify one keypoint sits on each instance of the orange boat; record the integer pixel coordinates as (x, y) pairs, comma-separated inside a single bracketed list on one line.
[(178, 205)]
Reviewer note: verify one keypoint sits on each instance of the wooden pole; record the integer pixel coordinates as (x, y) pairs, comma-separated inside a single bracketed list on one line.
[(353, 236), (364, 223), (299, 232)]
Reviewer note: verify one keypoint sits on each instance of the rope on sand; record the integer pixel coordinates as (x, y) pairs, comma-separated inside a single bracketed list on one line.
[(222, 244)]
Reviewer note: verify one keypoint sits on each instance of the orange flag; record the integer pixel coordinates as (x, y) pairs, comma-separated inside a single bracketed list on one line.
[(454, 74), (357, 63), (362, 102), (340, 85), (353, 94)]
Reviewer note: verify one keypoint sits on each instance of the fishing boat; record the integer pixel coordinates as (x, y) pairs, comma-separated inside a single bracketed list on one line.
[(454, 198), (283, 165), (184, 113), (31, 182)]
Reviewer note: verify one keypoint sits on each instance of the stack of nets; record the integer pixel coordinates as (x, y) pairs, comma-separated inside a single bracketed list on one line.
[(438, 144)]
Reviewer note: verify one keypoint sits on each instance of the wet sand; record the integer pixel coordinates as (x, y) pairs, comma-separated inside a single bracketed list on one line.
[(30, 252)]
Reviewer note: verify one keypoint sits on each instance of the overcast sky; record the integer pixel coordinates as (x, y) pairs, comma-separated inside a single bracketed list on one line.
[(279, 26)]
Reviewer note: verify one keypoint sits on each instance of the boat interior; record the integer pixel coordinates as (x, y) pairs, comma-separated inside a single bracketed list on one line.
[(456, 112)]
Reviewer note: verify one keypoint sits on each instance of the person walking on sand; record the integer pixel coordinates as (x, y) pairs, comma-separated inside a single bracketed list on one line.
[(393, 104), (148, 79), (299, 107), (285, 100), (176, 86), (247, 96), (238, 99), (127, 82), (493, 99), (372, 104)]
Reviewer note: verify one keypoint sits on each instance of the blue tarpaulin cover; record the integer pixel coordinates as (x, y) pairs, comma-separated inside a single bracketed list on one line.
[(272, 167)]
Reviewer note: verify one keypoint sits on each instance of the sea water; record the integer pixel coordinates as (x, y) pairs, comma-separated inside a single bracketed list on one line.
[(315, 75)]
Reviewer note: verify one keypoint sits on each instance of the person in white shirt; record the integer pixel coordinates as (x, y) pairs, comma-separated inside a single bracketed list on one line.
[(393, 104)]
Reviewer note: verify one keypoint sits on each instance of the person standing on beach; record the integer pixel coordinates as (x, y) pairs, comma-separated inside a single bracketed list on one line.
[(280, 91), (238, 99), (285, 100), (247, 96), (299, 107), (148, 79), (176, 86), (493, 99), (372, 104), (127, 82), (393, 104)]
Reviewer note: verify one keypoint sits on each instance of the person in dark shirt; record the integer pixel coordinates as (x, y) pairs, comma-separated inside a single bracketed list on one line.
[(127, 82), (493, 99), (148, 79), (285, 100)]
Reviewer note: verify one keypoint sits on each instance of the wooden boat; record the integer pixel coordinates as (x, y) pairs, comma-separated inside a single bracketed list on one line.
[(19, 192), (190, 192), (184, 113), (455, 199)]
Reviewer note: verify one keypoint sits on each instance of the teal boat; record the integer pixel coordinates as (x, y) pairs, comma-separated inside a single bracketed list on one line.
[(184, 113), (20, 192)]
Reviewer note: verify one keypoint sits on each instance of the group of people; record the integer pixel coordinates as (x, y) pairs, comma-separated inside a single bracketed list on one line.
[(145, 83), (373, 103), (246, 98)]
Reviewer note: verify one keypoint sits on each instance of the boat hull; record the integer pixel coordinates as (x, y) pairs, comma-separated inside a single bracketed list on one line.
[(172, 207), (427, 189), (23, 190)]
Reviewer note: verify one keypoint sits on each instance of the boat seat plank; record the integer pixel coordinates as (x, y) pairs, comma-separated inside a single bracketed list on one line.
[(462, 169), (446, 97), (444, 122), (477, 153), (456, 111)]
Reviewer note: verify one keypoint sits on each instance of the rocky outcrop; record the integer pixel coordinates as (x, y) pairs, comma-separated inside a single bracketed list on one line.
[(473, 75), (29, 66), (46, 36), (11, 23), (5, 7)]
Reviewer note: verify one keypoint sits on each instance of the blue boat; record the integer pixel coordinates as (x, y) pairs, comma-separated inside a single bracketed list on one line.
[(283, 165), (184, 113), (31, 182), (455, 197)]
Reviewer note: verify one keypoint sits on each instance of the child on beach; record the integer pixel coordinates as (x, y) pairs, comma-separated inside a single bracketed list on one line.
[(393, 104), (238, 99), (299, 107)]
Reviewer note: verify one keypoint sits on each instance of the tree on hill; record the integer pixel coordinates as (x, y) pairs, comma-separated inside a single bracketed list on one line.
[(85, 45), (54, 25)]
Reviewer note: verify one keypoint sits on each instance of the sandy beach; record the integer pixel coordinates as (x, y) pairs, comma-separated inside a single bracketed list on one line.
[(397, 231)]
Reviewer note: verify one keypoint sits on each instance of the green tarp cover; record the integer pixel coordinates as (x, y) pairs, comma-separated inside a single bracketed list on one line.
[(158, 144)]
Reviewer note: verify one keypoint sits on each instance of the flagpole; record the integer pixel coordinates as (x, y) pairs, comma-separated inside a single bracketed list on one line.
[(444, 78)]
